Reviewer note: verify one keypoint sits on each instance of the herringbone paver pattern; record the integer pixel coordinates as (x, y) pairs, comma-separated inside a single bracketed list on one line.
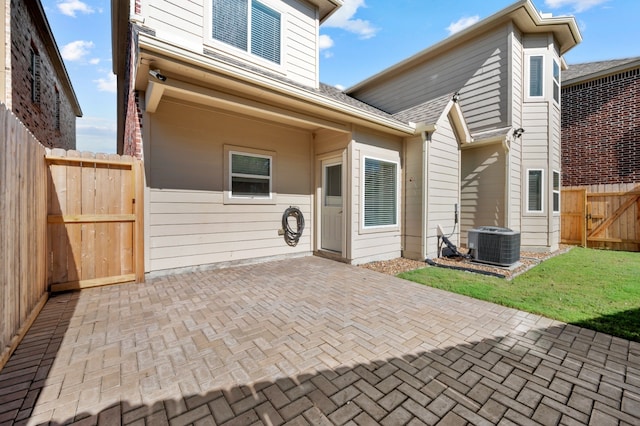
[(309, 341)]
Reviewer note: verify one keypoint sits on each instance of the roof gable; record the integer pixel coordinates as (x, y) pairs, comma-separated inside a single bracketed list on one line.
[(522, 13)]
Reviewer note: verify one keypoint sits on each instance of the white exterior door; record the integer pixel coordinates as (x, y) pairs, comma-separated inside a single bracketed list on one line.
[(331, 225)]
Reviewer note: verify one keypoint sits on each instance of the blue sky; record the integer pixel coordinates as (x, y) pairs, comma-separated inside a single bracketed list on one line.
[(361, 39)]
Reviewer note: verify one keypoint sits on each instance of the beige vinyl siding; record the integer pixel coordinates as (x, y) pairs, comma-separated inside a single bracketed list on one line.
[(301, 44), (444, 186), (187, 223), (187, 24), (513, 190), (477, 69), (374, 243), (177, 21), (535, 151), (413, 200), (482, 188)]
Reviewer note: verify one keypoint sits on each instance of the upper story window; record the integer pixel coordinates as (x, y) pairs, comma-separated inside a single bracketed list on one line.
[(34, 75), (248, 25), (536, 76), (57, 109), (556, 81)]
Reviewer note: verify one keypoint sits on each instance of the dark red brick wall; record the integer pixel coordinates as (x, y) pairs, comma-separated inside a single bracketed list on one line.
[(39, 117), (132, 144), (601, 131)]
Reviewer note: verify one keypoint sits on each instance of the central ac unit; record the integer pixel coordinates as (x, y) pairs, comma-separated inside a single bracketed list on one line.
[(497, 246)]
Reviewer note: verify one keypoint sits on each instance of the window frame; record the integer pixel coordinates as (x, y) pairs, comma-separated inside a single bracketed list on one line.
[(556, 81), (556, 192), (541, 195), (35, 70), (542, 76), (229, 198), (386, 227), (246, 54)]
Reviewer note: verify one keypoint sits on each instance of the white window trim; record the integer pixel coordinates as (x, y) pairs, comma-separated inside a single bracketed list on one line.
[(229, 150), (541, 211), (379, 228), (246, 55), (559, 191), (528, 76), (556, 82)]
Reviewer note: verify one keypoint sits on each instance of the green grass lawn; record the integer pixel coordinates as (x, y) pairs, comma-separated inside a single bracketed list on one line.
[(595, 289)]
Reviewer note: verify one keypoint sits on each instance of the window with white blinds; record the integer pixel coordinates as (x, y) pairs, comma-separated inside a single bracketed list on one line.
[(534, 190), (380, 193), (248, 25), (536, 75)]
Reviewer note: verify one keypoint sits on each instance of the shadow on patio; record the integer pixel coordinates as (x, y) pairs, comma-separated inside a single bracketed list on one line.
[(195, 349)]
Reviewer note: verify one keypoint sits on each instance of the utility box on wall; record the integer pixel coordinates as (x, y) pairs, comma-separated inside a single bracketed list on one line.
[(494, 245)]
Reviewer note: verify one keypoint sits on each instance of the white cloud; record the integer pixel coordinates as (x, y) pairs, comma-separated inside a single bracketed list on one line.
[(339, 87), (107, 84), (462, 23), (577, 5), (94, 61), (325, 42), (344, 19), (76, 50), (70, 7), (96, 134)]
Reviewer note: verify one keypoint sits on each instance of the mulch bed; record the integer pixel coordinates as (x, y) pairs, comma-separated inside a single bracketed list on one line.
[(527, 261)]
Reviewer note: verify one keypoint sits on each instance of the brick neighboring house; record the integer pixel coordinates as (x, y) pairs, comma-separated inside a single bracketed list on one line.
[(601, 123), (34, 84)]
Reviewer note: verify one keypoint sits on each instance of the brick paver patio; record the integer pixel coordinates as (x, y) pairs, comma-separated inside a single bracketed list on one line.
[(309, 341)]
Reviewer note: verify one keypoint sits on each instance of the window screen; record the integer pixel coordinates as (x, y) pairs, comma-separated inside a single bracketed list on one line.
[(256, 30), (380, 198), (250, 175), (230, 22)]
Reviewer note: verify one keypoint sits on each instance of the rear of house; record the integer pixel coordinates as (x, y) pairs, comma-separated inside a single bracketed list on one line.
[(222, 101), (506, 70)]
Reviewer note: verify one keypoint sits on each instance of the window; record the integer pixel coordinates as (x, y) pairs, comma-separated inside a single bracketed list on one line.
[(556, 192), (534, 190), (250, 175), (57, 110), (34, 71), (247, 25), (536, 75), (556, 82), (380, 193)]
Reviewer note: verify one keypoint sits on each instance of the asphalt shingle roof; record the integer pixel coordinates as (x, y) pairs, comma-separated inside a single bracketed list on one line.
[(426, 112), (580, 71)]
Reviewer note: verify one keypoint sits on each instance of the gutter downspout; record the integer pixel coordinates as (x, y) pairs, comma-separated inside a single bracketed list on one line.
[(426, 132)]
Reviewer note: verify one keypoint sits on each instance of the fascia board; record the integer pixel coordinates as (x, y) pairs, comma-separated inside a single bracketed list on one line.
[(170, 51)]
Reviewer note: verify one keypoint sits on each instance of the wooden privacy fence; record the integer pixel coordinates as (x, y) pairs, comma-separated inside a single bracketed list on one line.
[(95, 228), (23, 231), (602, 216)]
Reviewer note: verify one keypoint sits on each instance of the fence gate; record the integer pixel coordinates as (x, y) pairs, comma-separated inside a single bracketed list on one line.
[(573, 217), (607, 217), (95, 229)]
